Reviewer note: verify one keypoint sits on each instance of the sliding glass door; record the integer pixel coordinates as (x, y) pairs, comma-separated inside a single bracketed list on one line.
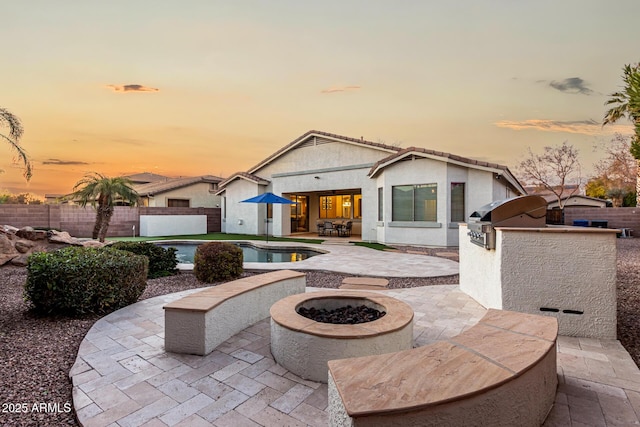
[(299, 213)]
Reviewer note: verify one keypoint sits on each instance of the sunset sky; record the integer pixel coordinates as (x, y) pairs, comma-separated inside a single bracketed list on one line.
[(194, 87)]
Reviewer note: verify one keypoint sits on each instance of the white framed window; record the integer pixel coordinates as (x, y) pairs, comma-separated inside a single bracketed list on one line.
[(418, 202)]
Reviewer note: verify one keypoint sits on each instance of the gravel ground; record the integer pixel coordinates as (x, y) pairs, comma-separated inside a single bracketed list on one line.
[(37, 353)]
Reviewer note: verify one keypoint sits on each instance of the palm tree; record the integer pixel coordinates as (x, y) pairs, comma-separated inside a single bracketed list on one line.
[(98, 189), (627, 104), (15, 133)]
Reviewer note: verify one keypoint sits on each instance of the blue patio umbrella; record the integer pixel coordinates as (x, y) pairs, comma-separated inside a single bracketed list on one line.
[(268, 199)]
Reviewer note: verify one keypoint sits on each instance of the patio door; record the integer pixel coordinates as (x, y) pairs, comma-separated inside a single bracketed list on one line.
[(299, 213)]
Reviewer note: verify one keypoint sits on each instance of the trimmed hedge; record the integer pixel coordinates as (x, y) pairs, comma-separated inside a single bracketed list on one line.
[(217, 261), (78, 280), (162, 262)]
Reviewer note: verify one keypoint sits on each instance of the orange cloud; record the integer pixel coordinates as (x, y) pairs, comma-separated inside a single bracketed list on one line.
[(334, 89), (132, 88), (583, 127)]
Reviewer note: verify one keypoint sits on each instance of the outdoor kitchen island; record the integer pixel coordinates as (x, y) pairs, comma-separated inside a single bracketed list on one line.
[(560, 271)]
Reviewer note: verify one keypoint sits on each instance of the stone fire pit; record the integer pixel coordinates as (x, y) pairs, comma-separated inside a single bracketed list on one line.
[(304, 346)]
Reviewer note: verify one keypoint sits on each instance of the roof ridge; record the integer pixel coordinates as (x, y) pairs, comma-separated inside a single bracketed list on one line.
[(414, 149)]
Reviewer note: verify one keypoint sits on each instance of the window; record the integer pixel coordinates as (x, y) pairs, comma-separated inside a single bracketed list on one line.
[(457, 202), (341, 206), (414, 202), (380, 205), (178, 203)]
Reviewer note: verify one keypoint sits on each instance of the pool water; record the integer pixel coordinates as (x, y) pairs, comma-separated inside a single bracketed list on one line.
[(186, 252)]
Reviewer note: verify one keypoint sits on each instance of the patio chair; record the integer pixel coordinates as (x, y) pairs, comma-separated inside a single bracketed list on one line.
[(320, 227), (346, 230), (329, 228)]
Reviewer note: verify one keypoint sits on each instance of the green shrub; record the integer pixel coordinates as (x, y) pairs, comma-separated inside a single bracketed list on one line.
[(217, 261), (77, 280), (162, 262)]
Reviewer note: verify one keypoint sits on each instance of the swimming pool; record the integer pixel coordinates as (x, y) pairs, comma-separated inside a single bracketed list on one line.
[(251, 253)]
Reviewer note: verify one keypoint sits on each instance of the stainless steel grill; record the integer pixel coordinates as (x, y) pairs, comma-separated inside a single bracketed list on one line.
[(523, 211)]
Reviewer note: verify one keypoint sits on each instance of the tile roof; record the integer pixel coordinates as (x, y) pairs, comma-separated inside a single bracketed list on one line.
[(409, 150), (154, 188), (243, 175), (379, 165), (146, 177)]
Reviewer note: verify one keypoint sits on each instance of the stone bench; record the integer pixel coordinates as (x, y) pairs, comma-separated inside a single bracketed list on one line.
[(500, 372), (199, 322)]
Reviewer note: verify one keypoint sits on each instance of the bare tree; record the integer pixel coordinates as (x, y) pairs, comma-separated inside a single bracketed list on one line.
[(615, 175), (557, 170)]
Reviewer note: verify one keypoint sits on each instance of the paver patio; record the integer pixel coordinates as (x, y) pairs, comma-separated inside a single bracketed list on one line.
[(123, 377)]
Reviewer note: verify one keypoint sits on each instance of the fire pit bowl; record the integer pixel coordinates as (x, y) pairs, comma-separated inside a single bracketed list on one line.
[(304, 346)]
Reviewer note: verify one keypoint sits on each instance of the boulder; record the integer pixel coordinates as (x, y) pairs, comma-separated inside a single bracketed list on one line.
[(20, 260), (8, 229), (5, 258), (17, 244), (6, 246), (63, 237), (23, 246), (30, 234)]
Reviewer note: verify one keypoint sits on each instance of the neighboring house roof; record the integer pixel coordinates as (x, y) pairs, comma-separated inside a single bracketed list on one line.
[(324, 135), (412, 152), (146, 178), (155, 188), (568, 191), (551, 198), (242, 175)]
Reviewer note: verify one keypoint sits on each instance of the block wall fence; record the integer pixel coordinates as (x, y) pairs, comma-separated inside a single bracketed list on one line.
[(78, 221), (616, 217)]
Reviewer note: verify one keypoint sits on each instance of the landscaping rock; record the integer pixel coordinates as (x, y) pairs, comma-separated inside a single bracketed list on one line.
[(30, 234), (62, 237), (17, 244), (23, 246), (7, 245)]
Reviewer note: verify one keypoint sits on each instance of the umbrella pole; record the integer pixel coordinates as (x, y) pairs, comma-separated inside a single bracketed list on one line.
[(267, 221)]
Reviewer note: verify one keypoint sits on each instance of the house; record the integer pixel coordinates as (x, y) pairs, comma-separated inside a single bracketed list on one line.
[(185, 192), (392, 195), (570, 197), (575, 201), (146, 178)]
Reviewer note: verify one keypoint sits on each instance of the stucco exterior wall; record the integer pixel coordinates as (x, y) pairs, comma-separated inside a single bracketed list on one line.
[(480, 188), (327, 156), (480, 271), (568, 270), (243, 218), (319, 165), (172, 225), (325, 167), (198, 194), (410, 172)]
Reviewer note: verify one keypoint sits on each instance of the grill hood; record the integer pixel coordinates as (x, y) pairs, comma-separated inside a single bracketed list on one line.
[(522, 211)]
